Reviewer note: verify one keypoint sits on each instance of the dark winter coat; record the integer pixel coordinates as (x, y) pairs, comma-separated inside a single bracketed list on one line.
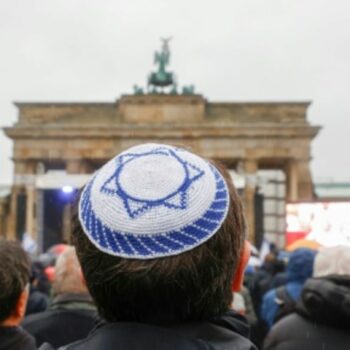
[(70, 317), (37, 302), (321, 320), (15, 338), (225, 333)]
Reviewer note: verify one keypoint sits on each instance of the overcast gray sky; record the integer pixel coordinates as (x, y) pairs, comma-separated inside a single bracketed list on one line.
[(275, 50)]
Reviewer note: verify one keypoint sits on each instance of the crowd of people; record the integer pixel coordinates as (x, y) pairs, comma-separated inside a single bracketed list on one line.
[(159, 260)]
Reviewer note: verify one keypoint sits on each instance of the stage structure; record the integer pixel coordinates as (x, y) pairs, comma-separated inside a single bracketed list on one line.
[(57, 146)]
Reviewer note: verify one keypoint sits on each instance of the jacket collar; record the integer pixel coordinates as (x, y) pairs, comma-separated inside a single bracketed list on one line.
[(229, 331), (72, 301)]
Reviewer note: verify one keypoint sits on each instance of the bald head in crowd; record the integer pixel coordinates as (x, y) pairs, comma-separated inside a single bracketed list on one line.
[(332, 261), (71, 314), (68, 275)]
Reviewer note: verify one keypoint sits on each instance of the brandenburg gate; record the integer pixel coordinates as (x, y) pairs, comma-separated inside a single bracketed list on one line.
[(71, 140)]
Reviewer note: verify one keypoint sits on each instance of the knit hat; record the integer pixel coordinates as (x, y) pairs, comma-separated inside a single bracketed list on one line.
[(153, 201), (332, 261)]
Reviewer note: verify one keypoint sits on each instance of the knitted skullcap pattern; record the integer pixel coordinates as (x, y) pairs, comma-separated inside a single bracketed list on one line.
[(153, 201)]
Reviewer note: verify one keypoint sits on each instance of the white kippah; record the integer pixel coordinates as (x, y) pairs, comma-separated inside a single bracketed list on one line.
[(153, 201)]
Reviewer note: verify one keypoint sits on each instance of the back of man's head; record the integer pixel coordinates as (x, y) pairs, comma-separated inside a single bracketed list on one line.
[(332, 261), (300, 265), (14, 276), (159, 236), (68, 275)]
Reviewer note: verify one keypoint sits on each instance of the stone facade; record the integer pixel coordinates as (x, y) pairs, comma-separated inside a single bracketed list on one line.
[(81, 136), (4, 209)]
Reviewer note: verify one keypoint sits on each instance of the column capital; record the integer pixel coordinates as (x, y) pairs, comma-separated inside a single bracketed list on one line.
[(250, 166), (76, 166)]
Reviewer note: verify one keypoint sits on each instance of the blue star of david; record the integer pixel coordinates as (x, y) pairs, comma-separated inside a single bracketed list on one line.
[(137, 206)]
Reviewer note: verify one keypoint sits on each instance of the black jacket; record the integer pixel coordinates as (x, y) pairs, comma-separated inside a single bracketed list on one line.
[(321, 320), (37, 302), (70, 317), (225, 333), (15, 338)]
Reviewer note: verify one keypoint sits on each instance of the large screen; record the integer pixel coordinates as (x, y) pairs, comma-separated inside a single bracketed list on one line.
[(328, 223)]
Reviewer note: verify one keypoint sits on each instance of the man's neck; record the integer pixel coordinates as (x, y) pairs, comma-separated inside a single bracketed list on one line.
[(10, 322)]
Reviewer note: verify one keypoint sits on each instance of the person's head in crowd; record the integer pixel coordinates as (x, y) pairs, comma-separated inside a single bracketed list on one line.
[(160, 236), (270, 262), (14, 283), (68, 275), (38, 278), (300, 264), (325, 298), (332, 261)]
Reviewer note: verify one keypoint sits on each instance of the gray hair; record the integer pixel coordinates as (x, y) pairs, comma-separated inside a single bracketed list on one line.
[(68, 275), (332, 261)]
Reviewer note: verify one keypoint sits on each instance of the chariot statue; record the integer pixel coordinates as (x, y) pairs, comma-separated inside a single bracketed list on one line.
[(162, 78), (163, 81)]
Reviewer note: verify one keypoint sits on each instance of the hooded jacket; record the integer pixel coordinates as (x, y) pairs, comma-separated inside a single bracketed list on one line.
[(299, 269), (321, 320), (228, 332)]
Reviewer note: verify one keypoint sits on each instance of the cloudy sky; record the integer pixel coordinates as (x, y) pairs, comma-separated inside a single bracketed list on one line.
[(232, 50)]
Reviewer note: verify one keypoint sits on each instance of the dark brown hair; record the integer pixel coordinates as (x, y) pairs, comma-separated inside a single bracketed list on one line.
[(194, 285), (14, 275)]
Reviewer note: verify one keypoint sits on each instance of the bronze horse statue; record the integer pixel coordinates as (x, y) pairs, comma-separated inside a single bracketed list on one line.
[(162, 78)]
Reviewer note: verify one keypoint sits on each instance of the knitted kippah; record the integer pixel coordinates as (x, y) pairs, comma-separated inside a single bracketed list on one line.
[(153, 201)]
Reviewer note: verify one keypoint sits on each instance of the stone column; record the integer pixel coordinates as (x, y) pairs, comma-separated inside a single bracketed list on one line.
[(67, 222), (24, 182), (299, 179), (75, 166), (292, 181), (12, 223), (2, 218), (30, 211), (40, 219), (250, 170), (30, 171), (305, 184)]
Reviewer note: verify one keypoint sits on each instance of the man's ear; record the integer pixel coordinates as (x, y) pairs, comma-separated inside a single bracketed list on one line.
[(239, 274), (19, 310), (21, 305)]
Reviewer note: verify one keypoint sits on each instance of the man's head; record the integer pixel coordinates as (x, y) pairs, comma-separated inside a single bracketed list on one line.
[(159, 236), (68, 275), (300, 265), (332, 261), (14, 279)]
